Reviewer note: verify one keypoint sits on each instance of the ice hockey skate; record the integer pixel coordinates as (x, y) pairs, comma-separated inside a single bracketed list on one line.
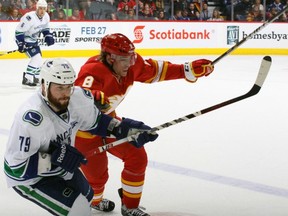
[(28, 83), (105, 205), (132, 212)]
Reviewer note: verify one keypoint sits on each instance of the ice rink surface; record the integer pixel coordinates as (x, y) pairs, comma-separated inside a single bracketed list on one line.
[(229, 162)]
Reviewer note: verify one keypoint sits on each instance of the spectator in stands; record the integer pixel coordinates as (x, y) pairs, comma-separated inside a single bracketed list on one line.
[(122, 3), (30, 6), (147, 14), (125, 9), (76, 14), (161, 15), (159, 5), (276, 4), (51, 9), (185, 15), (3, 14), (84, 6), (192, 11), (14, 14), (216, 16), (242, 9), (258, 14), (273, 12), (152, 5), (205, 13), (258, 7), (250, 16), (197, 17), (61, 15), (177, 15), (131, 14)]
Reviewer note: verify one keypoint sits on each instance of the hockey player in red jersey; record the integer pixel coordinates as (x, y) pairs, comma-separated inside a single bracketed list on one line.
[(109, 76)]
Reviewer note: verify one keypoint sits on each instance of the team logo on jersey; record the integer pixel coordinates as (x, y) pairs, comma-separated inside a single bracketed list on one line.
[(33, 117), (49, 64), (67, 192), (87, 93), (28, 18)]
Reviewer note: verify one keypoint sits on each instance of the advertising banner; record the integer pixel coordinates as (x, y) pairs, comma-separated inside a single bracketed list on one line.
[(158, 38)]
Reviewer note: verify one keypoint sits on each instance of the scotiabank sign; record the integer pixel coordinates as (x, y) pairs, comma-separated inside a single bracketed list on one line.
[(172, 34), (86, 36)]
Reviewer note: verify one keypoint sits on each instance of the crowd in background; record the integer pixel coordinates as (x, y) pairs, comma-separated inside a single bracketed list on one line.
[(214, 10)]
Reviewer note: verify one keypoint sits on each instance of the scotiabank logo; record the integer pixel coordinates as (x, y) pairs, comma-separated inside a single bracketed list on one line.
[(179, 35), (138, 34)]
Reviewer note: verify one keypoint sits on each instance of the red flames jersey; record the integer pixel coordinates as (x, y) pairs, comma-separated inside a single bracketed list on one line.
[(94, 75)]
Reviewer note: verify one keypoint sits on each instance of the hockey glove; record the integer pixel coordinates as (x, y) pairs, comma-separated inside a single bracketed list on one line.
[(49, 40), (66, 156), (101, 101), (136, 129), (198, 68), (21, 46)]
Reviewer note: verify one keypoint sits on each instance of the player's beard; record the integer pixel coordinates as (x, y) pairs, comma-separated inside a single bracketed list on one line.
[(59, 104)]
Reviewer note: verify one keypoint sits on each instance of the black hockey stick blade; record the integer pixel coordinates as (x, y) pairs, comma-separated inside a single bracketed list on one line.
[(262, 74)]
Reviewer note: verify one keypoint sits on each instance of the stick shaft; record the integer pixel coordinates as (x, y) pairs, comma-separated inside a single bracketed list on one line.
[(272, 19), (8, 52), (262, 74)]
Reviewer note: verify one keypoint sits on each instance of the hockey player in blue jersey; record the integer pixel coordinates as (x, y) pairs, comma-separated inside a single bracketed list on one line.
[(41, 163), (28, 31)]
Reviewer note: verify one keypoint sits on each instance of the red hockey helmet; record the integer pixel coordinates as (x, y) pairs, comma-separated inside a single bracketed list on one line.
[(117, 44)]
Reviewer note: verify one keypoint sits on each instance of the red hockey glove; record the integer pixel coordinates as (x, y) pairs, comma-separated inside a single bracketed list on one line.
[(101, 101), (198, 68)]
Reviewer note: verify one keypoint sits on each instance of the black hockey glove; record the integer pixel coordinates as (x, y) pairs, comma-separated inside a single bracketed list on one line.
[(49, 40), (21, 46), (136, 129), (66, 156)]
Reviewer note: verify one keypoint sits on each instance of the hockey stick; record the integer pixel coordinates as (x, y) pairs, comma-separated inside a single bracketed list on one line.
[(12, 51), (262, 74), (272, 19), (8, 52)]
